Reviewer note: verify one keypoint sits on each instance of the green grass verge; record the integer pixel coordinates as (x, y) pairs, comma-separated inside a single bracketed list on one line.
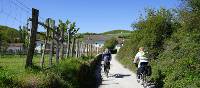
[(70, 73)]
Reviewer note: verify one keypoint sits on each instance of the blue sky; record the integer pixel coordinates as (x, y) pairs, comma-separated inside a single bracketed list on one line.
[(90, 15)]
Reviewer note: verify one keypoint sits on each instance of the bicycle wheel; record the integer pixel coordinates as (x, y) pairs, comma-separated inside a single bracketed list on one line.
[(106, 71), (144, 81)]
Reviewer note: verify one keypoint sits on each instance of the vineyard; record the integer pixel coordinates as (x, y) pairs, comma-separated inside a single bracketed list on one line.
[(63, 59)]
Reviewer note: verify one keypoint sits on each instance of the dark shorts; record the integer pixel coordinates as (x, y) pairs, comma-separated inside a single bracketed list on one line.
[(107, 65), (141, 69)]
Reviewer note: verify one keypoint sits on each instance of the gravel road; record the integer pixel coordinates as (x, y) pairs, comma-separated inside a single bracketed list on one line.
[(119, 77)]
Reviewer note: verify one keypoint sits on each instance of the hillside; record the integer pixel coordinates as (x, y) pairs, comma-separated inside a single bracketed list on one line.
[(116, 32), (8, 34)]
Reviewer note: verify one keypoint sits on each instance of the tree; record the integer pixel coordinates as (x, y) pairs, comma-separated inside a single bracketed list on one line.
[(74, 40), (9, 35), (63, 27), (23, 33), (72, 31), (110, 43)]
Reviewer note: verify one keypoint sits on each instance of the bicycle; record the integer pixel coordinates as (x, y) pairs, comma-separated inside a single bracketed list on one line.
[(143, 75), (106, 68)]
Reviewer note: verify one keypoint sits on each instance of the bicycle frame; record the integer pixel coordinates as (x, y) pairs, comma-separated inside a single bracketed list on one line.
[(106, 69)]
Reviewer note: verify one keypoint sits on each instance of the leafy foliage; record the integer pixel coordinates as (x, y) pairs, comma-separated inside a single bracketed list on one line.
[(9, 35), (173, 45), (110, 43)]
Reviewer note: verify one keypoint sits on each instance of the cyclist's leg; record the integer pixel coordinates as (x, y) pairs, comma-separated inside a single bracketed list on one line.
[(141, 67), (144, 73), (145, 68), (139, 73), (105, 66), (108, 65)]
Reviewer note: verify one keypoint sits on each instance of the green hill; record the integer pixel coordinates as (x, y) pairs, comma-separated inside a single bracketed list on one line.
[(8, 34), (116, 32)]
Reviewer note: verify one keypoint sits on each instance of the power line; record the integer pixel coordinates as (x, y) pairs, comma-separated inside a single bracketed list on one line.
[(28, 8), (14, 10), (8, 15), (23, 9), (23, 5)]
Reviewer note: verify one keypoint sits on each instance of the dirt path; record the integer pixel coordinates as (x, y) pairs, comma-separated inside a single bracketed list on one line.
[(119, 77)]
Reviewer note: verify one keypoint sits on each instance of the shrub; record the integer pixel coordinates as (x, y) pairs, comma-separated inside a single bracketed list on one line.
[(110, 43), (173, 47)]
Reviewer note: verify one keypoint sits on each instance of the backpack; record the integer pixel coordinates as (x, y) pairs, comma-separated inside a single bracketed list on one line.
[(106, 58)]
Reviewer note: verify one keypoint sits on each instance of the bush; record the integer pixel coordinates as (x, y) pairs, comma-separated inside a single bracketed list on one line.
[(111, 43), (113, 51), (173, 47)]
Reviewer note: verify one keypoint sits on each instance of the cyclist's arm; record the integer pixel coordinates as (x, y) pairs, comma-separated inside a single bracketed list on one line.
[(110, 56), (136, 58), (102, 58)]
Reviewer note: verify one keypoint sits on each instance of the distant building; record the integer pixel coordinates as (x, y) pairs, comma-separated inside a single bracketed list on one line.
[(120, 43), (15, 47), (39, 46), (96, 40)]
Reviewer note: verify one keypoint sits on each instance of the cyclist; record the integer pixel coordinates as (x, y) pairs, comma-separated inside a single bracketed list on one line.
[(143, 61), (106, 56)]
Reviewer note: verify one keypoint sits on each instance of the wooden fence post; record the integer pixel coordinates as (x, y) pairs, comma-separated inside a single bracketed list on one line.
[(35, 14), (68, 43), (73, 46), (52, 43), (45, 43), (61, 44)]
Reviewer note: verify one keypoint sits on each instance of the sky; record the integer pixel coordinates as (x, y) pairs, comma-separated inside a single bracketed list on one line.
[(90, 15)]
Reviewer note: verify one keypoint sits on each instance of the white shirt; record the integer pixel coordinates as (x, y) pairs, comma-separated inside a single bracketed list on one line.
[(141, 57)]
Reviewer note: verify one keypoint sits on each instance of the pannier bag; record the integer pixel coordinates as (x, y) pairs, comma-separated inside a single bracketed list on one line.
[(148, 69)]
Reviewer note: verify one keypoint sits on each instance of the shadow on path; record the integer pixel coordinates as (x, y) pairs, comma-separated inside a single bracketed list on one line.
[(120, 75), (110, 84)]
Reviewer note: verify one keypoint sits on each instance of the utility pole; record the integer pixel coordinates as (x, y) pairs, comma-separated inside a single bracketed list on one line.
[(35, 14)]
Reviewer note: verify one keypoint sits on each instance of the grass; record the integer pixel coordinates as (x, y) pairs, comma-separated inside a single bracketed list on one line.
[(17, 62), (67, 74)]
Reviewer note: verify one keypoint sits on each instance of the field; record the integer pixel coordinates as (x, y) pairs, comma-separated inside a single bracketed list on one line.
[(17, 62), (65, 74)]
